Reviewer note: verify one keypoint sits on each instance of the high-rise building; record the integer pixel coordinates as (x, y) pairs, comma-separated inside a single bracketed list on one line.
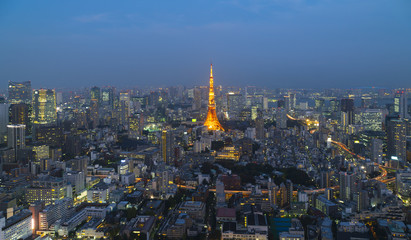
[(212, 122), (4, 120), (290, 102), (94, 113), (95, 94), (293, 101), (265, 103), (319, 104), (329, 193), (325, 179), (362, 199), (283, 195), (78, 164), (19, 92), (135, 126), (220, 193), (397, 138), (376, 150), (371, 119), (21, 114), (44, 106), (16, 135), (334, 105), (107, 97), (35, 209), (197, 98), (166, 145), (281, 118), (347, 112), (400, 104), (235, 103), (50, 135), (289, 186), (59, 98), (403, 183), (272, 192), (259, 127), (346, 185)]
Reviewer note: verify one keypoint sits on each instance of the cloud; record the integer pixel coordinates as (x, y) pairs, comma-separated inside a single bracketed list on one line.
[(92, 18)]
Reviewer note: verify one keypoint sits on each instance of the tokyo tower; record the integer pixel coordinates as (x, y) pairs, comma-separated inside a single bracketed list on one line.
[(212, 121)]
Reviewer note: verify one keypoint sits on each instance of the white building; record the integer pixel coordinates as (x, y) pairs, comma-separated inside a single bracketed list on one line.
[(17, 227), (128, 179)]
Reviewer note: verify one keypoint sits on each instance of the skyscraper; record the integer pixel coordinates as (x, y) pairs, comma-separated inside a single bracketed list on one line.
[(347, 112), (325, 179), (220, 193), (400, 104), (21, 114), (4, 120), (212, 121), (135, 126), (19, 92), (16, 137), (376, 150), (94, 113), (235, 103), (281, 118), (95, 94), (107, 97), (259, 127), (346, 185), (289, 186), (283, 195), (166, 145), (397, 138), (372, 119), (44, 106)]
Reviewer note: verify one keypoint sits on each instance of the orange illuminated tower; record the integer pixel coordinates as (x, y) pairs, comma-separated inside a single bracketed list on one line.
[(212, 121)]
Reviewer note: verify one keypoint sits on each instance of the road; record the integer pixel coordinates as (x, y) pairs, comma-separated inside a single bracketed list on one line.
[(381, 178)]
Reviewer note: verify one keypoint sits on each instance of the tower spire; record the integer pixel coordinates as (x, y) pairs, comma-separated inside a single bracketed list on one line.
[(212, 121)]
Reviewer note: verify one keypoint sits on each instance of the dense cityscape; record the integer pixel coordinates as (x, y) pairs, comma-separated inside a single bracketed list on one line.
[(205, 162), (205, 120)]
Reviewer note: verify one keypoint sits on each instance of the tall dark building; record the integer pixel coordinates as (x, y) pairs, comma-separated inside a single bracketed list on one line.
[(281, 103), (4, 120), (50, 135), (325, 179), (95, 94), (400, 104), (259, 127), (289, 186), (93, 113), (21, 114), (347, 112), (19, 92), (107, 97), (235, 103), (166, 145), (397, 138), (346, 185), (16, 137)]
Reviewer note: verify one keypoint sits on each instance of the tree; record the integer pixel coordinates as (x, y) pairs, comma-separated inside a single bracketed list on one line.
[(214, 235), (131, 213)]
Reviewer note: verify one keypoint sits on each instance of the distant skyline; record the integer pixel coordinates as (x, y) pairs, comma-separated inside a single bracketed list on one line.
[(265, 43)]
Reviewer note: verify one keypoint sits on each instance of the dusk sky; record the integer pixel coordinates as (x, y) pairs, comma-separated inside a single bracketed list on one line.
[(267, 43)]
